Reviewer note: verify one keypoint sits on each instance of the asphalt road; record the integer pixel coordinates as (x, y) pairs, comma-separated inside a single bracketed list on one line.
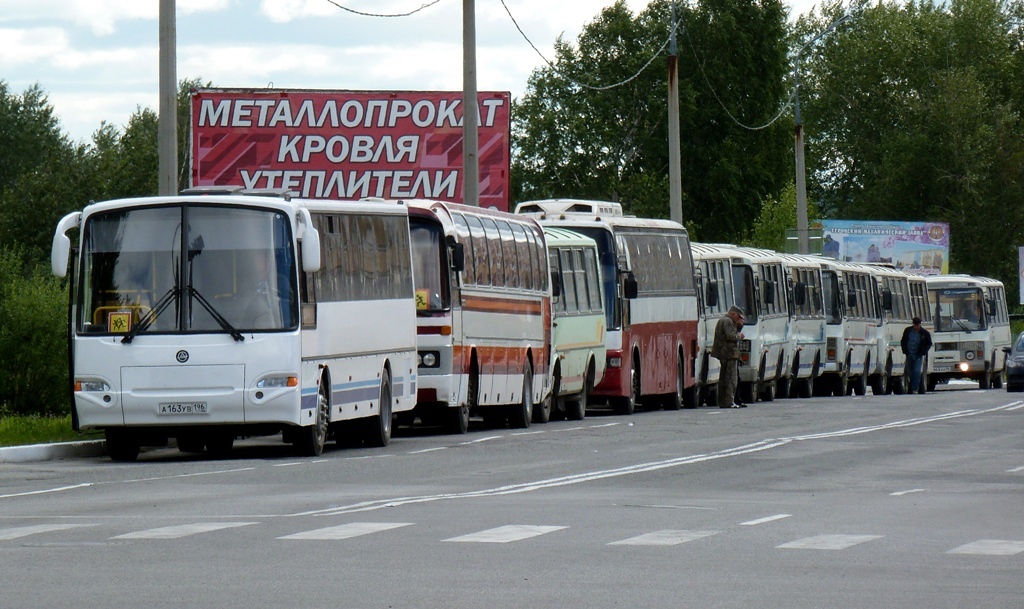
[(873, 502)]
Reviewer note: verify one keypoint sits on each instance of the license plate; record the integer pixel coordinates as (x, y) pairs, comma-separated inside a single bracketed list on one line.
[(184, 408), (941, 368)]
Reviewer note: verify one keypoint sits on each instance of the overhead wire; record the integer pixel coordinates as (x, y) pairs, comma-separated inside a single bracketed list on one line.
[(361, 13)]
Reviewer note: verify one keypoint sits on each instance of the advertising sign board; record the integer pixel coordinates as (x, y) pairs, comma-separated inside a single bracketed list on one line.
[(917, 247), (348, 144)]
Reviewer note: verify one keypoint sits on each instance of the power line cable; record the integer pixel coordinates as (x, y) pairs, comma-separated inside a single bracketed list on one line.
[(700, 66), (577, 82), (362, 14)]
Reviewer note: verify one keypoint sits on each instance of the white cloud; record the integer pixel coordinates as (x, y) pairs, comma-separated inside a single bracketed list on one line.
[(30, 46)]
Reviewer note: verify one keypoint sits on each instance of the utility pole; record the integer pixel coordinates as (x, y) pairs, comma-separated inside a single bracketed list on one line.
[(803, 239), (470, 135), (675, 180), (167, 130)]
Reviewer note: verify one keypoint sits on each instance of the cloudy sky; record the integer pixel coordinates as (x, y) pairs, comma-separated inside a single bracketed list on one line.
[(98, 59)]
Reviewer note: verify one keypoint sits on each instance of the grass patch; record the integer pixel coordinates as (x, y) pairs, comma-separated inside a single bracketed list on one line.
[(19, 430)]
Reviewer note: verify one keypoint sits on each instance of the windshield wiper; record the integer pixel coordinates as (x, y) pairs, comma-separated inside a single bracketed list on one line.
[(224, 323), (148, 319), (960, 323)]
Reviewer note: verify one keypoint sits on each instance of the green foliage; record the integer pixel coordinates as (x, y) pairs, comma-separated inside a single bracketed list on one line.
[(576, 136), (913, 112), (777, 215), (33, 339), (20, 430)]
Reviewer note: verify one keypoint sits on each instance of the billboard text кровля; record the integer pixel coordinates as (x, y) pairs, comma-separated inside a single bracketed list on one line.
[(348, 144)]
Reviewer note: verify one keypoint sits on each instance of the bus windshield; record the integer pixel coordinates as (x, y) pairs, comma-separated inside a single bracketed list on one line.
[(830, 295), (609, 272), (238, 271), (959, 310), (743, 280), (429, 272)]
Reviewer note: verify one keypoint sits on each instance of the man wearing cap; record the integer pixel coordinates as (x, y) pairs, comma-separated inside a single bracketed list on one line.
[(726, 348), (915, 345)]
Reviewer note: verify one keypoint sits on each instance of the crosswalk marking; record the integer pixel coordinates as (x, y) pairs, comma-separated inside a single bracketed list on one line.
[(663, 538), (751, 523), (990, 547), (505, 534), (18, 532), (828, 542), (183, 530), (346, 531)]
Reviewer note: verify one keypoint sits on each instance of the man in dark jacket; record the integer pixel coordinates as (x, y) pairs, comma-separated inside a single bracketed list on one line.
[(726, 348), (915, 344)]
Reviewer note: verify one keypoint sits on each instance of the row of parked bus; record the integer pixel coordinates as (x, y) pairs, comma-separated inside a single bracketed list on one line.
[(210, 316)]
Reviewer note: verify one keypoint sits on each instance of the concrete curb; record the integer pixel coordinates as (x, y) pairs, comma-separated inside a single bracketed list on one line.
[(48, 452)]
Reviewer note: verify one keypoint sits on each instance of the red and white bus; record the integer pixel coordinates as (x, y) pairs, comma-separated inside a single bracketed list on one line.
[(483, 310), (650, 301)]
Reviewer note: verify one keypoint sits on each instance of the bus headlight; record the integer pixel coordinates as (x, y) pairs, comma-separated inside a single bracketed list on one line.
[(91, 385), (964, 366), (969, 355), (273, 382), (615, 362), (429, 359)]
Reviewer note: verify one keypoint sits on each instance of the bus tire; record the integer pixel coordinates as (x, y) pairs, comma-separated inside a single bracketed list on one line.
[(840, 385), (378, 428), (880, 381), (985, 381), (311, 439), (576, 410), (121, 446), (458, 419), (675, 399), (627, 404), (522, 413)]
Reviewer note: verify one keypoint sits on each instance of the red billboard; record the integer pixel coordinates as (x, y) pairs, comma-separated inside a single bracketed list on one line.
[(348, 144)]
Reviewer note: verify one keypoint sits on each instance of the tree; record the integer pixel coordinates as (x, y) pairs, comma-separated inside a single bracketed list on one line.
[(913, 113), (575, 135)]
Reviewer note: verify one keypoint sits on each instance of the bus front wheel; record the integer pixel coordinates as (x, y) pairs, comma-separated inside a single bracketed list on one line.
[(311, 439), (121, 446)]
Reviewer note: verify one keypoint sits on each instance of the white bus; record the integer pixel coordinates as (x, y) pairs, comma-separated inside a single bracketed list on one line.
[(897, 308), (970, 329), (484, 314), (807, 325), (207, 317), (716, 294), (920, 307), (761, 288), (577, 324), (650, 301), (853, 326)]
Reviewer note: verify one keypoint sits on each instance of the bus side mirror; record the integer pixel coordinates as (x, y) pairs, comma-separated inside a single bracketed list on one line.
[(711, 293), (310, 244), (556, 284), (61, 248), (887, 299), (630, 288), (800, 294), (458, 257)]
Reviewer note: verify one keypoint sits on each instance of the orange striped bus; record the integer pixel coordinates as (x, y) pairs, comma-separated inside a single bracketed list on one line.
[(483, 307)]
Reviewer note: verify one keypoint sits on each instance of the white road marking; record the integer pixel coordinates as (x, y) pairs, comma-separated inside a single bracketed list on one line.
[(46, 490), (505, 534), (427, 450), (182, 530), (1015, 470), (828, 542), (751, 523), (990, 547), (479, 440), (347, 531), (901, 493), (664, 538), (18, 532)]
